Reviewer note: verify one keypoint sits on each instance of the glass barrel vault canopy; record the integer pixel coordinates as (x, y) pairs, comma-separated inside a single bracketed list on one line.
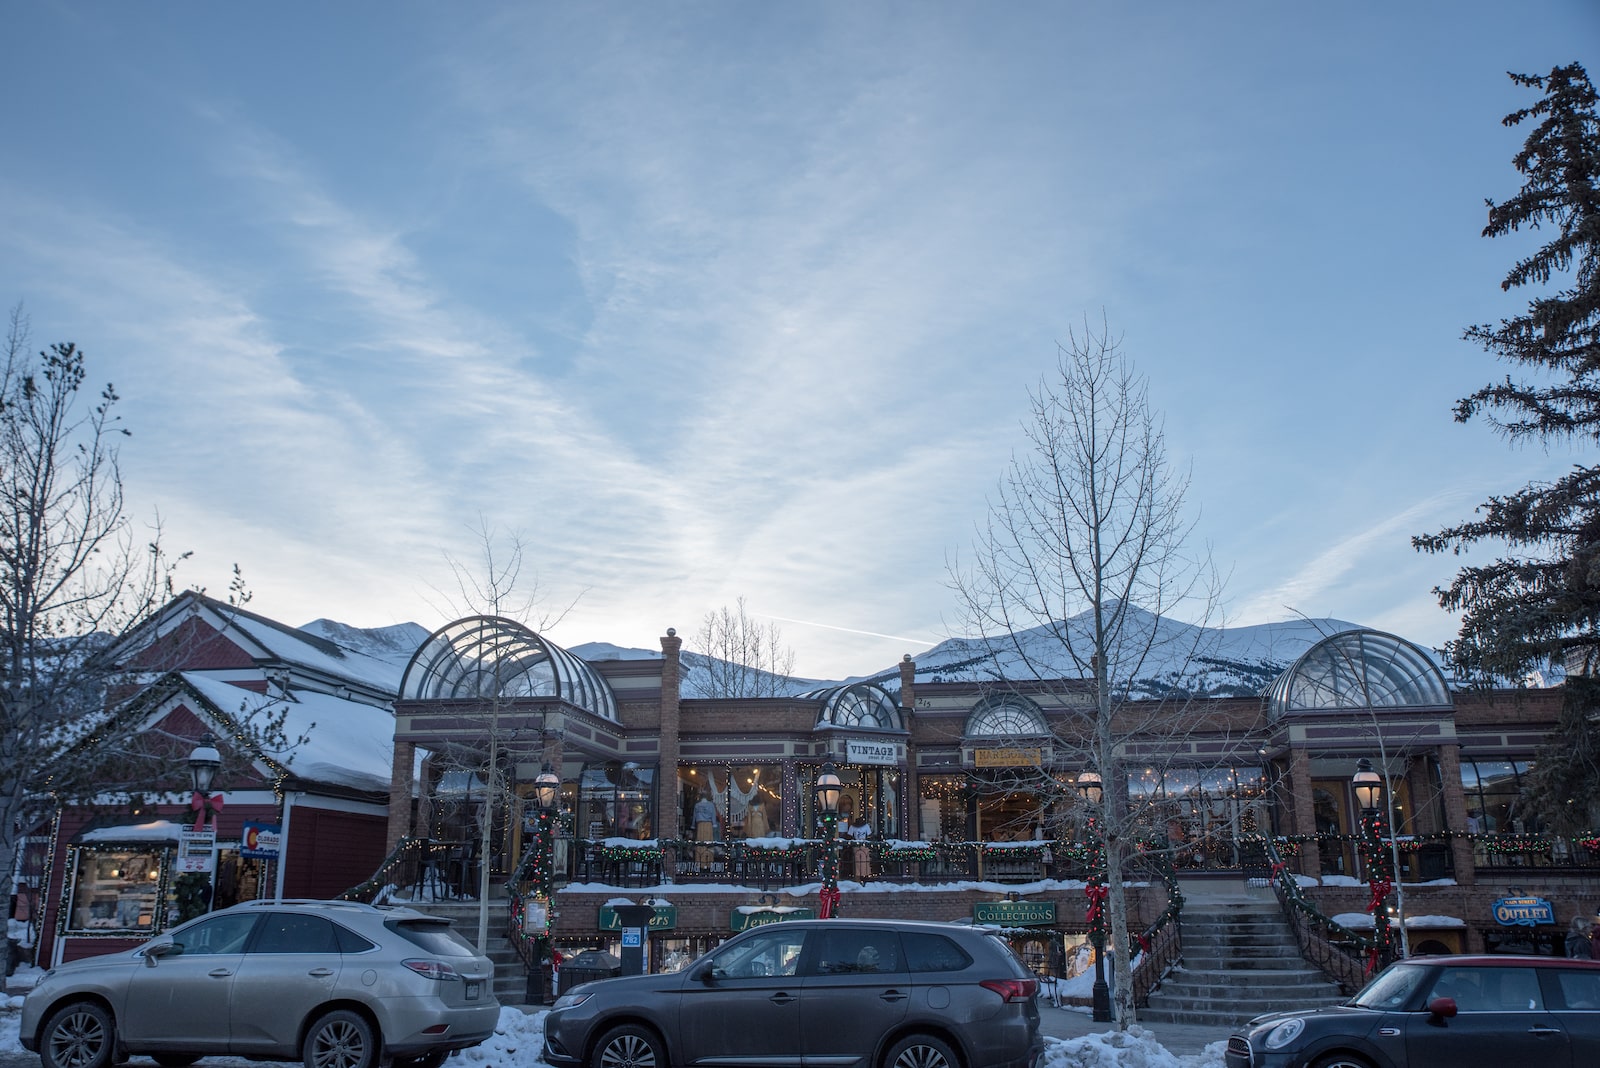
[(482, 657), (1359, 669), (859, 705)]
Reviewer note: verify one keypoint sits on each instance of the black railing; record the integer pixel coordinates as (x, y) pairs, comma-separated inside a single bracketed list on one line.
[(1341, 954), (420, 869)]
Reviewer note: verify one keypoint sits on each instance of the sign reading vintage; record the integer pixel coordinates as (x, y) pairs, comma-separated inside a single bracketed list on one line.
[(665, 918), (1523, 911), (1015, 913), (861, 751)]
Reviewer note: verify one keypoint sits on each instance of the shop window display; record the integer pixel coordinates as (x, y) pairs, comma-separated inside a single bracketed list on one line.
[(115, 890)]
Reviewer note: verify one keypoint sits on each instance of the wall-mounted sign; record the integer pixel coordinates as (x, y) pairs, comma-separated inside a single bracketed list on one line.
[(196, 851), (1523, 912), (1007, 758), (261, 841), (861, 751), (664, 919), (1015, 913), (742, 919)]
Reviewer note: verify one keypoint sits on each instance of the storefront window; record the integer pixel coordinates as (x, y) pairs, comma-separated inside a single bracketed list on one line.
[(115, 890), (616, 800), (1492, 788), (719, 801)]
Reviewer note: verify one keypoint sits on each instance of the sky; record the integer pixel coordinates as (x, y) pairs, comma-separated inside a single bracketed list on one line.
[(709, 301)]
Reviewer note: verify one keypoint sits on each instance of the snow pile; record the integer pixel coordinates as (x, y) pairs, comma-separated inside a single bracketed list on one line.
[(1134, 1048)]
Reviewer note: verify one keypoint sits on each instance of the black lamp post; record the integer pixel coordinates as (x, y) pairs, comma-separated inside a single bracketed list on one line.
[(1093, 792), (1368, 787), (827, 792), (204, 761), (546, 787)]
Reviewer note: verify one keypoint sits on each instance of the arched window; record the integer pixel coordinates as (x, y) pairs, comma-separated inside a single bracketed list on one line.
[(1006, 717)]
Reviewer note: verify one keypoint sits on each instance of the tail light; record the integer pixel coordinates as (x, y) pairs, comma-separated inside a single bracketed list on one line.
[(433, 969), (1012, 990)]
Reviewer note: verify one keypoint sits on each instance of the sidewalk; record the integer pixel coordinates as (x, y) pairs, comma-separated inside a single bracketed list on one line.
[(1178, 1038)]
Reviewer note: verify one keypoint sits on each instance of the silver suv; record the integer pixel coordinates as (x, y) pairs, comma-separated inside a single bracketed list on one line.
[(840, 993), (333, 983)]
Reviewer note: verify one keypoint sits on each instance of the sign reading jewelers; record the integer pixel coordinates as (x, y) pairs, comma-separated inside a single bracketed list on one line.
[(1523, 912), (861, 751)]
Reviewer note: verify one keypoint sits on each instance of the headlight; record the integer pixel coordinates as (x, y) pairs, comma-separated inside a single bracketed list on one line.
[(567, 1001), (1285, 1033)]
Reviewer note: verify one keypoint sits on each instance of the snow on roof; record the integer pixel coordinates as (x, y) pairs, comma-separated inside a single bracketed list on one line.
[(316, 652), (154, 831), (348, 743)]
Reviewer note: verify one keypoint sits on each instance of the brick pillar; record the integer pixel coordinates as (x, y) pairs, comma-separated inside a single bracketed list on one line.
[(910, 795), (1303, 812), (401, 782), (667, 773), (1455, 813)]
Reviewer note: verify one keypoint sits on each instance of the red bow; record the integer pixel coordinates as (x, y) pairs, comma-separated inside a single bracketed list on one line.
[(830, 901), (1144, 944), (1380, 890), (1097, 896), (1277, 869), (201, 804), (1372, 960)]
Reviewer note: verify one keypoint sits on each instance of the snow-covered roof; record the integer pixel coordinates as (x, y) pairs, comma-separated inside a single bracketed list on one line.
[(154, 831), (349, 743)]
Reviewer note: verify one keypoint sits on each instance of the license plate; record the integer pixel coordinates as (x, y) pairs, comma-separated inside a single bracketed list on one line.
[(473, 987)]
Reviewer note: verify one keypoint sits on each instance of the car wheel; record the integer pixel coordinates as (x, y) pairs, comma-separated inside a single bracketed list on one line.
[(1342, 1060), (427, 1060), (921, 1051), (175, 1060), (80, 1035), (629, 1046), (341, 1039)]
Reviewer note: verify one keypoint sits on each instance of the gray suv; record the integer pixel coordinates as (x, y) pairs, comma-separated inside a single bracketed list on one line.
[(830, 993), (333, 983)]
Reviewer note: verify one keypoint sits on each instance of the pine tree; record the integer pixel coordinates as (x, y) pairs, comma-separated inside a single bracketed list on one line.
[(1540, 602)]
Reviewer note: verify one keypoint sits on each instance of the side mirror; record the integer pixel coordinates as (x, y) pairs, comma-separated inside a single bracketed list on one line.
[(1442, 1008), (702, 972), (157, 948)]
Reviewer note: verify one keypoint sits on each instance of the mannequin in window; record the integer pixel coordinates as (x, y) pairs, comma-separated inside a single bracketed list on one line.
[(707, 823), (859, 832), (739, 800), (755, 820)]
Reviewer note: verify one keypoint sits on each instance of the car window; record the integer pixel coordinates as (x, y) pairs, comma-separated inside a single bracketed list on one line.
[(290, 932), (855, 950), (772, 952), (1489, 989), (1392, 987), (220, 934), (1578, 989), (926, 952), (433, 936), (350, 942)]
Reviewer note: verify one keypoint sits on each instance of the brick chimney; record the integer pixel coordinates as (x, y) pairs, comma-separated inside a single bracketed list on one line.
[(667, 774)]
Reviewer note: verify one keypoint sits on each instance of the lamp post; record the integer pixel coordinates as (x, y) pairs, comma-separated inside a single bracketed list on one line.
[(827, 791), (1093, 790), (546, 787), (204, 761), (1368, 787)]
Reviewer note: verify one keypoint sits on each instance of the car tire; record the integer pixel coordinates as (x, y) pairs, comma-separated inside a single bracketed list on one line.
[(341, 1039), (426, 1060), (80, 1035), (921, 1051), (175, 1060), (629, 1046), (1342, 1060)]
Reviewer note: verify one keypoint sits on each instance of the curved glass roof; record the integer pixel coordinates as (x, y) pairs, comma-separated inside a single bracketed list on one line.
[(858, 705), (1359, 669), (1006, 717), (487, 656)]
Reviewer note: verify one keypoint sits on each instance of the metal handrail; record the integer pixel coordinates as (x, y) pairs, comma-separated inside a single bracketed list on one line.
[(414, 865), (1312, 930)]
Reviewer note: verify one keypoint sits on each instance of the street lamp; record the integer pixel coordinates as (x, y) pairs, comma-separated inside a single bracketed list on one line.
[(1367, 785), (1093, 790), (204, 761), (827, 791), (546, 787)]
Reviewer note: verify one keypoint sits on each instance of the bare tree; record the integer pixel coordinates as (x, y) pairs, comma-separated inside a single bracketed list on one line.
[(74, 573), (743, 658), (1081, 558)]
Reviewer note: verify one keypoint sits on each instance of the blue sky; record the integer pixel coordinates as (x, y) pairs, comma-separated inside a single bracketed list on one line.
[(719, 300)]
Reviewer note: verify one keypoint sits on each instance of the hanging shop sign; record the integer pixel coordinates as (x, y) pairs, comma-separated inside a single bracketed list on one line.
[(1523, 912), (261, 841), (1007, 758), (862, 751), (744, 918), (1015, 913), (665, 918), (196, 851)]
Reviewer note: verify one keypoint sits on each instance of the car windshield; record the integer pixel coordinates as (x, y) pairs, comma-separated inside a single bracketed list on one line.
[(1392, 987)]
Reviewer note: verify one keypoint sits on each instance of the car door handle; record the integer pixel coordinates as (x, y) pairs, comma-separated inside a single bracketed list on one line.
[(892, 995), (220, 973), (781, 998), (1537, 1030), (320, 973)]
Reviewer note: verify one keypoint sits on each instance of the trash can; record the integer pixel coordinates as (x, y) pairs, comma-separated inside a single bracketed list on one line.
[(589, 965)]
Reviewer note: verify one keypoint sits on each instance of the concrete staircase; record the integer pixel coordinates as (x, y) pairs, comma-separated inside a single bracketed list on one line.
[(510, 979), (1239, 960)]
